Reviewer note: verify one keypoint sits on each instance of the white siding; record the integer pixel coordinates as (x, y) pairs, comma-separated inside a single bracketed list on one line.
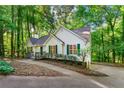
[(54, 41), (36, 49), (69, 38), (44, 48)]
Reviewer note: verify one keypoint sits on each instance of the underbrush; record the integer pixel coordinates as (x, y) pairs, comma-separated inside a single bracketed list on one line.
[(6, 68)]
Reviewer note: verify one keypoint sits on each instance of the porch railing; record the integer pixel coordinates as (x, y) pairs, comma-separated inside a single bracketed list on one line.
[(38, 55)]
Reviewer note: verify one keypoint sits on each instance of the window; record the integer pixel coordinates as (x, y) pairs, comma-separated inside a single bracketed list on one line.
[(72, 49), (53, 49)]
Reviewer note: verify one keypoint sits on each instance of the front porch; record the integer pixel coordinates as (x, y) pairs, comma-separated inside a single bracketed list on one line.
[(39, 55)]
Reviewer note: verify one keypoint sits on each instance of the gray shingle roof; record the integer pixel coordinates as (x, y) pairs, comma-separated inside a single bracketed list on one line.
[(39, 41), (33, 40), (83, 32), (42, 40)]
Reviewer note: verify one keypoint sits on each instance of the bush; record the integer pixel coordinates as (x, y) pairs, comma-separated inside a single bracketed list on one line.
[(3, 63), (60, 56), (6, 68), (73, 58)]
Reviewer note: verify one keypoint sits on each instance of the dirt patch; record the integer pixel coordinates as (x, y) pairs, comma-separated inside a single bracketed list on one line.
[(74, 67), (25, 69)]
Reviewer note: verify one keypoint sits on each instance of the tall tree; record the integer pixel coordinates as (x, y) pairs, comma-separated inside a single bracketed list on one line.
[(18, 30), (12, 33), (112, 13)]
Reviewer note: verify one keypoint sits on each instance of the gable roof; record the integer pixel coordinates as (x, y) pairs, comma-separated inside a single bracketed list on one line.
[(59, 39), (83, 32), (33, 40), (42, 40), (39, 41), (62, 27), (53, 35)]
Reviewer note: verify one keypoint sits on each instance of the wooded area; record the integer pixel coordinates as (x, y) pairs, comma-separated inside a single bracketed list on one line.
[(19, 23)]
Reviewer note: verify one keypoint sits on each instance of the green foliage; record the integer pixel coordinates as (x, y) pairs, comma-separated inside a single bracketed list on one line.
[(3, 63), (108, 31), (6, 68), (107, 22)]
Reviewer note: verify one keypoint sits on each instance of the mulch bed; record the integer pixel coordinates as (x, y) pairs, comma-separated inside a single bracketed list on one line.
[(74, 67), (109, 64), (25, 69)]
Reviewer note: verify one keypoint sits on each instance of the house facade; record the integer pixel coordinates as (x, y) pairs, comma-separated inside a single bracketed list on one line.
[(65, 42)]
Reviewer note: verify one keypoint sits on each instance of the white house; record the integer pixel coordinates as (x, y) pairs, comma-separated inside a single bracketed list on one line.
[(63, 41)]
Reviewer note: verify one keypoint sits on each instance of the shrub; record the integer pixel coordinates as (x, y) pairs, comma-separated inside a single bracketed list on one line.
[(3, 63), (6, 68), (60, 56), (72, 57)]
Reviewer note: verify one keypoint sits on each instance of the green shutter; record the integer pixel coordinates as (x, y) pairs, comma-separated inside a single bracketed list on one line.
[(67, 49), (49, 50), (56, 49), (78, 49), (41, 50)]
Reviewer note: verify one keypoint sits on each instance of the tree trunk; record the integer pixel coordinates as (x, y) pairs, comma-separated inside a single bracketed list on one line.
[(113, 44), (18, 33), (12, 33), (1, 42), (123, 37), (22, 39), (28, 27), (103, 53), (108, 45), (33, 16)]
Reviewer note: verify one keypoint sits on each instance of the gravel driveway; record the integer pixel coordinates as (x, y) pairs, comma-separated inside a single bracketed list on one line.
[(70, 80)]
